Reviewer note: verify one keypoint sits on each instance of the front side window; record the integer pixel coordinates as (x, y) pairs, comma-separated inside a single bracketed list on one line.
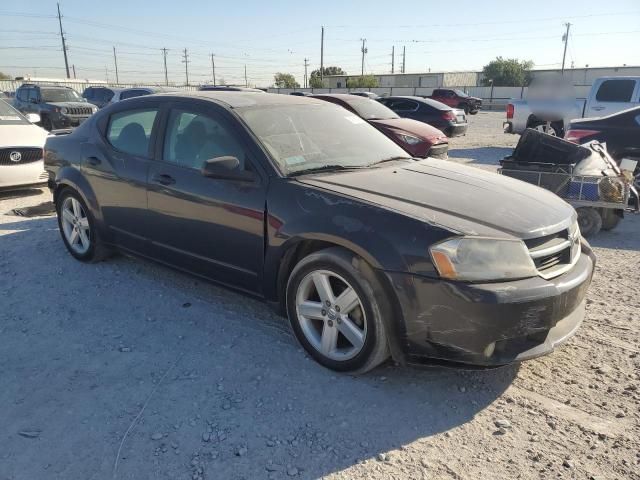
[(193, 137), (10, 116), (130, 131), (33, 95), (52, 95), (616, 91), (371, 109), (308, 137)]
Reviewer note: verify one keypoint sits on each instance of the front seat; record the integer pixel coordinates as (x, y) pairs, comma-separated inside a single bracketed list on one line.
[(132, 139)]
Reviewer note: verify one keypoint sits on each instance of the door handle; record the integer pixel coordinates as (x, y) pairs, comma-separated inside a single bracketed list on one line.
[(94, 161), (163, 179)]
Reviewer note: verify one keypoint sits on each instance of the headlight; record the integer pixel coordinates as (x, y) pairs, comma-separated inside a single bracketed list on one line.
[(478, 258), (410, 139), (63, 110)]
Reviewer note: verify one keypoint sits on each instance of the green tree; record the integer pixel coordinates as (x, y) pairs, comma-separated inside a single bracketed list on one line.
[(316, 82), (366, 81), (509, 72), (285, 80), (4, 76)]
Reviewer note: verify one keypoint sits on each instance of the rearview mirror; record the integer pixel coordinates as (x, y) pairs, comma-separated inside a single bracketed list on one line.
[(226, 168), (33, 117)]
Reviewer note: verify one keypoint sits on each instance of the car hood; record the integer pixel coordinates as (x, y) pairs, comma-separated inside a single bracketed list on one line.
[(414, 127), (463, 199), (22, 136), (70, 104)]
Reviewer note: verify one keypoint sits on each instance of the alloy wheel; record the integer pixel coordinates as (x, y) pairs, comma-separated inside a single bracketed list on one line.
[(75, 225), (331, 315)]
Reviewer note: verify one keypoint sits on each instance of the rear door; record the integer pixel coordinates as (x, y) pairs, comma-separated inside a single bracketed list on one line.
[(613, 95), (212, 227), (116, 163)]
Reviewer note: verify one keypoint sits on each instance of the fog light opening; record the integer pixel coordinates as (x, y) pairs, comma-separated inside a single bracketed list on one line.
[(489, 349)]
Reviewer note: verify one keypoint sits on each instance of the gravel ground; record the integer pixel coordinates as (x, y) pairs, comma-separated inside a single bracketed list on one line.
[(125, 369)]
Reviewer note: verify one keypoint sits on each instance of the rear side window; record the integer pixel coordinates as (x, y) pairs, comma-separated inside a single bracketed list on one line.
[(133, 93), (23, 94), (130, 131), (616, 91), (88, 93), (403, 105), (33, 95)]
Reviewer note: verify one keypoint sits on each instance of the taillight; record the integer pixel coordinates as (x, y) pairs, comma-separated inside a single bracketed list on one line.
[(449, 115), (576, 135), (510, 111)]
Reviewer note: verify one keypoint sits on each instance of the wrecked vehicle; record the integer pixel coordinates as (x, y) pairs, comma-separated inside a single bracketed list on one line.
[(584, 175), (300, 202)]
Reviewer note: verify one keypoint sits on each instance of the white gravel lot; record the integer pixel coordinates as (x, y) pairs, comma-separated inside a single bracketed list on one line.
[(187, 380)]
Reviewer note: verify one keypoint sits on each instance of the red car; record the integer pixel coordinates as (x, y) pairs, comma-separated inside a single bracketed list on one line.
[(457, 99), (417, 138)]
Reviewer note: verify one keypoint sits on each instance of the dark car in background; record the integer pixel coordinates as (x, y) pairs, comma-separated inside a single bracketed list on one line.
[(58, 107), (302, 203), (620, 132), (457, 99), (419, 139), (228, 88), (132, 92), (99, 96), (451, 121), (371, 95)]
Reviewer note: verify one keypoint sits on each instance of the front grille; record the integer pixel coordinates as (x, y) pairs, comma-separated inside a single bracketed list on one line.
[(553, 254), (27, 155), (79, 111)]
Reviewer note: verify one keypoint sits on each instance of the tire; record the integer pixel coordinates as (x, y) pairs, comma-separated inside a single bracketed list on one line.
[(556, 129), (85, 245), (473, 112), (348, 339), (589, 220), (464, 107), (610, 218), (47, 123)]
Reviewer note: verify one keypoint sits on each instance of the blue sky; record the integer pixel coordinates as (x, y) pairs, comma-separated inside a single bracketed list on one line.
[(278, 36)]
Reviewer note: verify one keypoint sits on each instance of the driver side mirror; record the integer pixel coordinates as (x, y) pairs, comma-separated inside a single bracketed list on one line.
[(226, 168)]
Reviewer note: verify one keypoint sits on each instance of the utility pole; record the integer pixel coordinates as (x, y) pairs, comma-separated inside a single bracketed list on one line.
[(166, 77), (306, 64), (364, 51), (115, 61), (393, 58), (64, 44), (185, 60), (213, 69), (246, 84), (404, 57), (322, 55), (565, 37), (74, 70)]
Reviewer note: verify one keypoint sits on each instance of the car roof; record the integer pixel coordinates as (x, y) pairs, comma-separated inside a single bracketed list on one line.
[(234, 99), (428, 101), (44, 86)]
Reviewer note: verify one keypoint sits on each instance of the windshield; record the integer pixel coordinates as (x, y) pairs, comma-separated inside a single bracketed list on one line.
[(460, 93), (10, 116), (372, 109), (60, 95), (308, 137)]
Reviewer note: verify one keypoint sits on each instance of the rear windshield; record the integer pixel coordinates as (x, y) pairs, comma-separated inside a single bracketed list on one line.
[(371, 109), (60, 95), (9, 115)]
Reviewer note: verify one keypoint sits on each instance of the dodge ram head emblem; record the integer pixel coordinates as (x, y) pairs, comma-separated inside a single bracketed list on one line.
[(15, 156)]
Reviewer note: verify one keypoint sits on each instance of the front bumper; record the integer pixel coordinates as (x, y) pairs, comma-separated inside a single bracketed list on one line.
[(66, 121), (439, 150), (490, 324), (22, 175)]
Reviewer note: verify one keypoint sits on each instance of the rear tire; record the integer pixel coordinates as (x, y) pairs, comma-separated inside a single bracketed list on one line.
[(589, 220), (78, 228), (334, 312), (610, 218)]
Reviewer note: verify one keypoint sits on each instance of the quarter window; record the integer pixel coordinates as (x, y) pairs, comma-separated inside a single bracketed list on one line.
[(616, 91), (404, 106), (192, 138), (130, 131)]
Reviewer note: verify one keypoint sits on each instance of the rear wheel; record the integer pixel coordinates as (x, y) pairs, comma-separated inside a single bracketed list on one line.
[(77, 228), (553, 128), (334, 312), (610, 218), (589, 220)]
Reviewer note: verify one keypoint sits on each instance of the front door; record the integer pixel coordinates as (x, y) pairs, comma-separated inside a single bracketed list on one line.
[(212, 227)]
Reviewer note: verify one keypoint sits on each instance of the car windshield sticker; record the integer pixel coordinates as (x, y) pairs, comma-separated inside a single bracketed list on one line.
[(7, 118), (295, 160)]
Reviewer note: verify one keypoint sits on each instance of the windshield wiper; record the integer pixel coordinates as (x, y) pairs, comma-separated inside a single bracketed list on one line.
[(322, 168)]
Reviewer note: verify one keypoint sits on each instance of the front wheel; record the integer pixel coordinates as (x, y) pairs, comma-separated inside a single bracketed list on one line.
[(335, 310)]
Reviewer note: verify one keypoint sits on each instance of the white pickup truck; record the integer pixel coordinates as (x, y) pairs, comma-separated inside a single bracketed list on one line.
[(550, 107)]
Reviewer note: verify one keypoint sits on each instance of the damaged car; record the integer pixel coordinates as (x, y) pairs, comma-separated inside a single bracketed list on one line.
[(369, 252)]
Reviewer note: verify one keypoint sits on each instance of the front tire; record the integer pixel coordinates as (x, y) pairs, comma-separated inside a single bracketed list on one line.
[(78, 228), (589, 221), (47, 123), (334, 312)]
